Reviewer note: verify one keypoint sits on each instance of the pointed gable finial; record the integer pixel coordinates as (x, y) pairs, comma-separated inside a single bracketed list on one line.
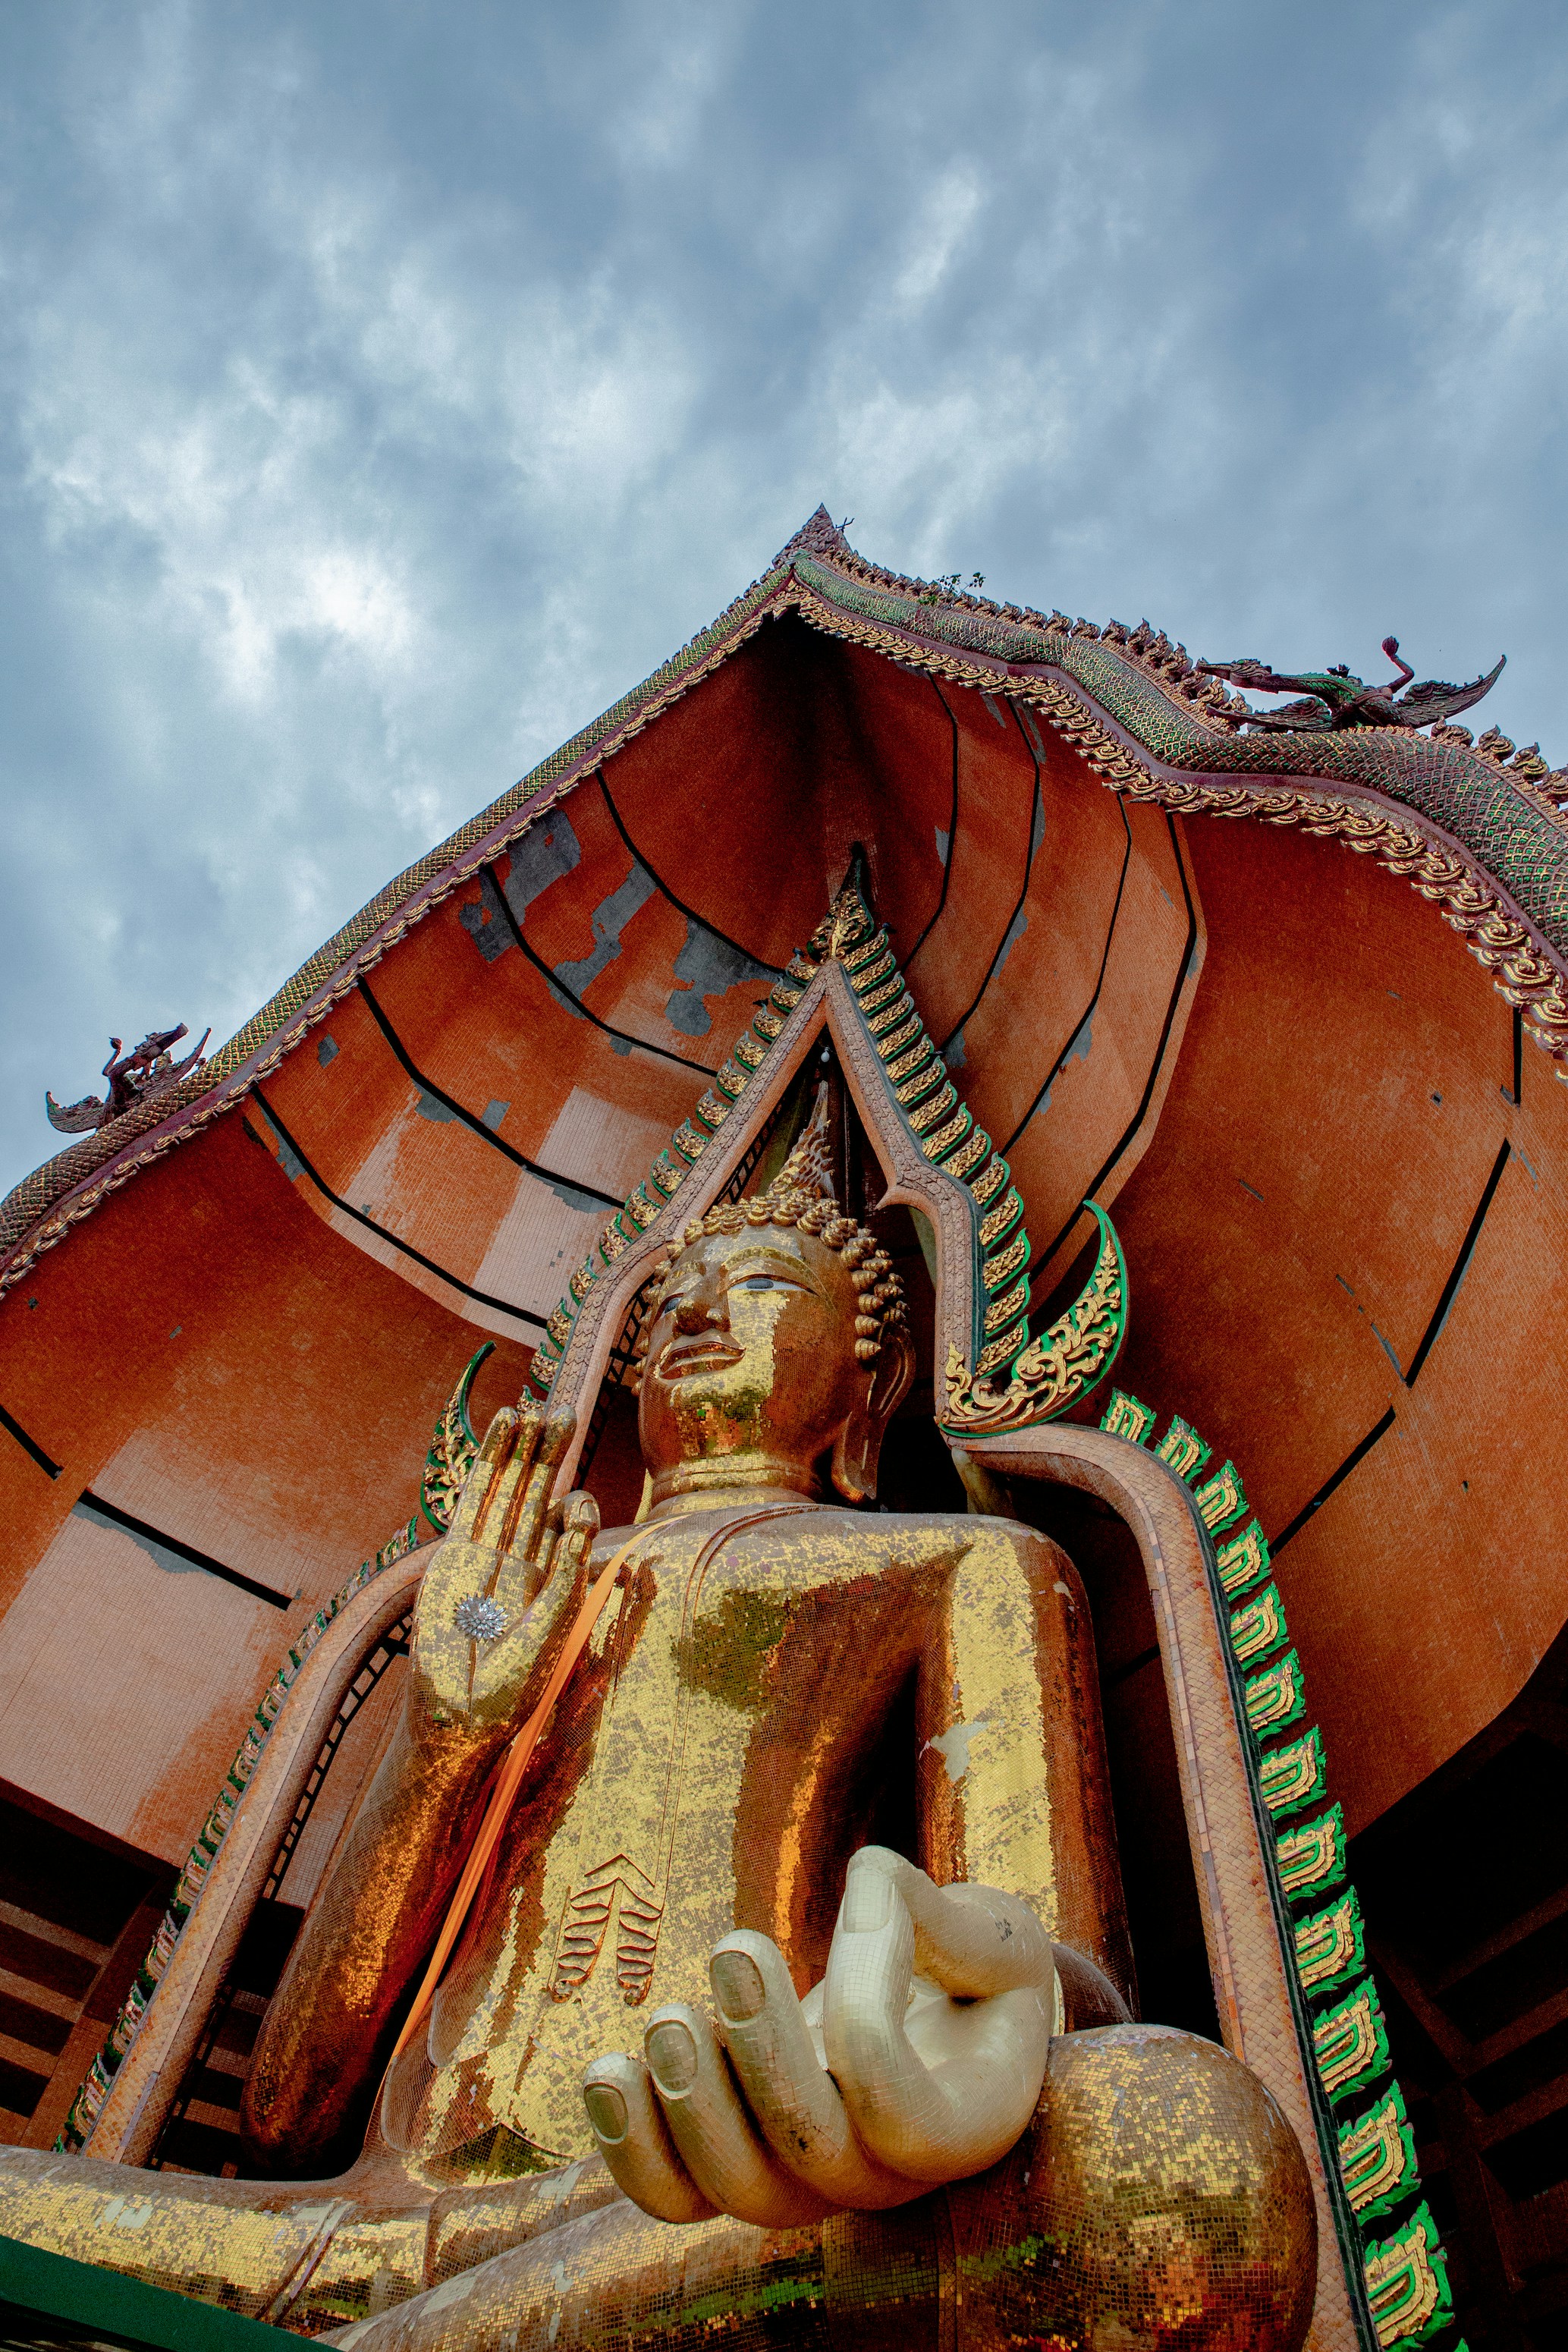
[(997, 1376), (849, 920), (820, 535)]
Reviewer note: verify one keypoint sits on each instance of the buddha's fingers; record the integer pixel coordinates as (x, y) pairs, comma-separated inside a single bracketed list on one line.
[(496, 1465), (461, 1569), (545, 1550), (710, 2128), (468, 1557), (974, 1941), (502, 1665), (960, 2100), (579, 1532), (553, 1532), (521, 1530), (794, 2102), (628, 2122)]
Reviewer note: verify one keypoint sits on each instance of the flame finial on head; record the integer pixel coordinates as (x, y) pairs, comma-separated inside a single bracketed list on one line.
[(810, 1167)]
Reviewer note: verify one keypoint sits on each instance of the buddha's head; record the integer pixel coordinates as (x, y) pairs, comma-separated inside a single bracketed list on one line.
[(776, 1349)]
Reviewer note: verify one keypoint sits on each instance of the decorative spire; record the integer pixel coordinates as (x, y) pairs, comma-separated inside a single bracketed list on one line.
[(1016, 1380), (820, 535), (916, 1075)]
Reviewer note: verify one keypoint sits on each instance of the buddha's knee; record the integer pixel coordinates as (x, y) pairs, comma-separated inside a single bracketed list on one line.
[(616, 2277), (1160, 2197), (250, 2245)]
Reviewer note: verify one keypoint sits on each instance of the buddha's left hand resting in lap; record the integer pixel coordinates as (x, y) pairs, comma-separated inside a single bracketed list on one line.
[(957, 2136)]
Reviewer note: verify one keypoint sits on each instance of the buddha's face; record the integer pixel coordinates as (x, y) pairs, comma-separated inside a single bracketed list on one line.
[(751, 1376)]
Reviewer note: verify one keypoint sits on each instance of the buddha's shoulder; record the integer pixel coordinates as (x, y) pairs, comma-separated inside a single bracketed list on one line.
[(851, 1539), (909, 1535), (974, 1529)]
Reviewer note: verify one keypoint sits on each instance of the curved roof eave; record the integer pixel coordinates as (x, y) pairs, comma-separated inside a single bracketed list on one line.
[(1479, 837)]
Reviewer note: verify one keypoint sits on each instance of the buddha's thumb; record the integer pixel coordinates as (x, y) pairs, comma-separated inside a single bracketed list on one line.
[(939, 2125)]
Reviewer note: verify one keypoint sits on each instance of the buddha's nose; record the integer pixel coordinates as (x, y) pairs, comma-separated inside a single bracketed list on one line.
[(702, 1309)]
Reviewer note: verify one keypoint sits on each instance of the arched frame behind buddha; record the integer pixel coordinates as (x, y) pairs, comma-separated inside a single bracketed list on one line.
[(1262, 2018), (1252, 1975)]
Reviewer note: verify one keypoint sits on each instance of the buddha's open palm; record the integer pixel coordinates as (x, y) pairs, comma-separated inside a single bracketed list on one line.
[(917, 2059), (483, 1612)]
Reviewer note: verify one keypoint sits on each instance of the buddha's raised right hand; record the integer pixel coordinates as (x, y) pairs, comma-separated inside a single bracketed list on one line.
[(478, 1634), (509, 1572), (917, 2059)]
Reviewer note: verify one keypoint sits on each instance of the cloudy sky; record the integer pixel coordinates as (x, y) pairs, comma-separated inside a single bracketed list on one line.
[(384, 388)]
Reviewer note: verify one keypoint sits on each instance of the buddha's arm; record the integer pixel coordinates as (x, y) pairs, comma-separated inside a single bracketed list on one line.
[(1015, 1790), (365, 1935), (380, 1910)]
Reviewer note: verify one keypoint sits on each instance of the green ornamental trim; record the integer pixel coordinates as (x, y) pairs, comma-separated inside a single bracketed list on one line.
[(1407, 2285), (1259, 1625), (1405, 2276), (1293, 1775), (1351, 2042), (1311, 1855), (1377, 2158), (452, 1450), (1277, 1696), (1331, 1944)]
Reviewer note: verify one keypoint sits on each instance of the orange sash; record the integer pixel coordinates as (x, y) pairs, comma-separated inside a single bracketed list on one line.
[(507, 1782), (509, 1779)]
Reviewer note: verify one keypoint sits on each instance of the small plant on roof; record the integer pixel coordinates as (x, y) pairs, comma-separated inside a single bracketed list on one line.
[(949, 583)]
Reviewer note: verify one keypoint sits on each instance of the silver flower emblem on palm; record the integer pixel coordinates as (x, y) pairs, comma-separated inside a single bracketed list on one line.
[(482, 1618)]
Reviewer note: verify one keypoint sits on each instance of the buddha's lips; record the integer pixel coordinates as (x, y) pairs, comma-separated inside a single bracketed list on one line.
[(710, 1354)]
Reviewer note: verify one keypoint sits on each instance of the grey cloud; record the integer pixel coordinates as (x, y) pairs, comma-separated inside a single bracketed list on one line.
[(387, 390)]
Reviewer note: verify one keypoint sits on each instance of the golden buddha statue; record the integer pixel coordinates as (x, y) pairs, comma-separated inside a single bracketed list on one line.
[(820, 1823)]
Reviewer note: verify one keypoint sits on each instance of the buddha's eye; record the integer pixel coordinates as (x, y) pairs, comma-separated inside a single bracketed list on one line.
[(767, 1278)]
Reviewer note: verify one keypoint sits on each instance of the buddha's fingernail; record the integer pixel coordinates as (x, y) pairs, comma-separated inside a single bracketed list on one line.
[(606, 2110), (672, 2055), (738, 1986), (868, 1901)]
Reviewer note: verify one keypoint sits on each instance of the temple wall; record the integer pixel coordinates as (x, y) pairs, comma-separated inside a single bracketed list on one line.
[(211, 1360), (1334, 1123)]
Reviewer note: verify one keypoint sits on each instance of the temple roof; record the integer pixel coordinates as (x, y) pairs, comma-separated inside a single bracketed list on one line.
[(1273, 1065), (1478, 827)]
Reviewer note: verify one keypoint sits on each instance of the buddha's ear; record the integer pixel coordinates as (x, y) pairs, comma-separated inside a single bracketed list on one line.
[(858, 1446)]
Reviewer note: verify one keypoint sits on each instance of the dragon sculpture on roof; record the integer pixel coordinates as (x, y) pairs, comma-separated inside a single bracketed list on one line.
[(148, 1069), (1336, 697)]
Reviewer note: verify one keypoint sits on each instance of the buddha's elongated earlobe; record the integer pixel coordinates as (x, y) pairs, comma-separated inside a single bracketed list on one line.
[(855, 1453), (857, 1449)]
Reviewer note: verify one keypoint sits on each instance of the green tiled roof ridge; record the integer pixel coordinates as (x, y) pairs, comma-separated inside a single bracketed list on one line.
[(1509, 828)]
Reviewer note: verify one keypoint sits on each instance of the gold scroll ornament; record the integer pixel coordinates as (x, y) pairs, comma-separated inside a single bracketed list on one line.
[(453, 1448), (1052, 1370)]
